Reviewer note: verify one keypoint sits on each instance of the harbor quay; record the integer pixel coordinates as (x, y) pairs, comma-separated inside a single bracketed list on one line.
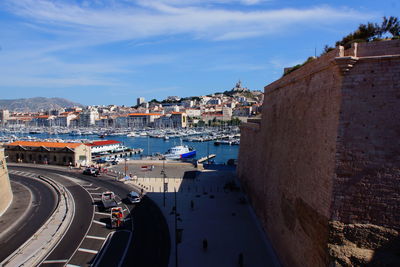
[(215, 224)]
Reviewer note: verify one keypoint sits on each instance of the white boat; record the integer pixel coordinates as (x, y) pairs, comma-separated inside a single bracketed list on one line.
[(180, 152)]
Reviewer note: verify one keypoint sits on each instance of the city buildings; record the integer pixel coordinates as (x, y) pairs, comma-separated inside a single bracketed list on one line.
[(175, 112), (139, 101)]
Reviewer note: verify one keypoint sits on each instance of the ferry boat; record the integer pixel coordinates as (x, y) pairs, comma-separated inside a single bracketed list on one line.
[(180, 152)]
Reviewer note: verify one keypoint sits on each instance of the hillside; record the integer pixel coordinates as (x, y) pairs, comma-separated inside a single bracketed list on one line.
[(36, 104)]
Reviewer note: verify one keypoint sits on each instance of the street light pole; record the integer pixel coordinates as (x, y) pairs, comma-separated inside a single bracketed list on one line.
[(208, 152), (163, 173), (125, 166), (176, 231)]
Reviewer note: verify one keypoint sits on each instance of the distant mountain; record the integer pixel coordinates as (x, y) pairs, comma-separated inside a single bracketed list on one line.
[(36, 104)]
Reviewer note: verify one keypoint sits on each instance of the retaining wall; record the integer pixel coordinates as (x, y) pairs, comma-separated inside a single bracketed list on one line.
[(6, 195), (325, 156)]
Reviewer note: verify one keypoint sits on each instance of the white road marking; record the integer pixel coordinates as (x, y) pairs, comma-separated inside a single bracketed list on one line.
[(95, 193), (96, 199), (72, 265), (88, 250), (119, 202), (55, 261), (94, 189), (87, 185), (95, 237), (101, 223), (102, 213)]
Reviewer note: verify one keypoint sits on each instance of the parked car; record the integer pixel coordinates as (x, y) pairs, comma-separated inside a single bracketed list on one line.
[(101, 161), (114, 162), (134, 197), (91, 171)]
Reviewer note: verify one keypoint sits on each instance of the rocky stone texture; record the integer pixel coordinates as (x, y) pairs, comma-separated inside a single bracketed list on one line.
[(327, 150), (363, 245)]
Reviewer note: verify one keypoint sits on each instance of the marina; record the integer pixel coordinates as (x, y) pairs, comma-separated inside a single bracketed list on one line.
[(139, 143)]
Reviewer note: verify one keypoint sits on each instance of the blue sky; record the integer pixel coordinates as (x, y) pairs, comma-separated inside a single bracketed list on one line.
[(113, 51)]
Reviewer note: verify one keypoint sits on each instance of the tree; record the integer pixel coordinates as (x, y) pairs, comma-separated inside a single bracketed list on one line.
[(201, 123), (154, 101), (391, 25), (372, 31)]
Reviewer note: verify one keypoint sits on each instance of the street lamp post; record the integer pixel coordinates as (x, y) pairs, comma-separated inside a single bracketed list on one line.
[(126, 167), (176, 230), (164, 189)]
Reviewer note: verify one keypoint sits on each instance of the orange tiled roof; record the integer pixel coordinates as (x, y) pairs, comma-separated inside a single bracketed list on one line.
[(144, 114), (45, 144), (42, 117)]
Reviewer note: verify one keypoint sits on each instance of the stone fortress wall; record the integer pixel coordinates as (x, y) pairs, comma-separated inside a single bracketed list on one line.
[(6, 195), (322, 167)]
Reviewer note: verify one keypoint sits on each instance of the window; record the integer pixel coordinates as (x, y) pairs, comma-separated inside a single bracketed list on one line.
[(55, 158), (40, 157), (64, 159)]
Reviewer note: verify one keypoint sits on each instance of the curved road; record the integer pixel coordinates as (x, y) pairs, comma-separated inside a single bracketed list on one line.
[(43, 202), (150, 245)]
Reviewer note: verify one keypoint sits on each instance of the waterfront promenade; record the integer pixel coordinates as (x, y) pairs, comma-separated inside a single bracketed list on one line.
[(211, 208)]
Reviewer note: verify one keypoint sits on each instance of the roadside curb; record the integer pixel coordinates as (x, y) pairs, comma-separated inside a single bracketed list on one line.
[(34, 250)]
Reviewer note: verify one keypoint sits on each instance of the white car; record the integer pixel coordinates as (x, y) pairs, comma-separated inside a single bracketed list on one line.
[(134, 197)]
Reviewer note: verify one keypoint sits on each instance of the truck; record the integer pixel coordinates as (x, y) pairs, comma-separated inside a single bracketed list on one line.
[(116, 217), (108, 200)]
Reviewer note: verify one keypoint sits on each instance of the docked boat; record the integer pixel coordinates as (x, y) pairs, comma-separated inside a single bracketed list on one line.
[(180, 152)]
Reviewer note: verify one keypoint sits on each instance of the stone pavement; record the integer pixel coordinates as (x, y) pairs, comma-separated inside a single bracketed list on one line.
[(210, 207)]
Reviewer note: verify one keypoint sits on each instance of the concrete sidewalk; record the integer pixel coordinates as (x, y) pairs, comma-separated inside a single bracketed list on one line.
[(220, 215)]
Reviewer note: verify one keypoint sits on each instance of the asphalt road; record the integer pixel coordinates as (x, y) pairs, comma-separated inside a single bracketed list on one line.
[(150, 245), (43, 203)]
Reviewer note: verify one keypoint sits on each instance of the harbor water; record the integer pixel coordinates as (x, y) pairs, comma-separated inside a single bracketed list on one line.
[(153, 146)]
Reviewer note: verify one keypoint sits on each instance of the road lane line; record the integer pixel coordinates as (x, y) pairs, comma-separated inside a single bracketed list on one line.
[(87, 185), (95, 193), (88, 250), (95, 237), (102, 213), (103, 249), (54, 261), (94, 189), (101, 223), (72, 265)]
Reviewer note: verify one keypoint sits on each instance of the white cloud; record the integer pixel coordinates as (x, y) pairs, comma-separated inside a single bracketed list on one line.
[(135, 20)]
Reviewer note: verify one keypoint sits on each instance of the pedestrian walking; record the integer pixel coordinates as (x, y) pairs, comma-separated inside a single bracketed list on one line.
[(240, 260), (205, 244)]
